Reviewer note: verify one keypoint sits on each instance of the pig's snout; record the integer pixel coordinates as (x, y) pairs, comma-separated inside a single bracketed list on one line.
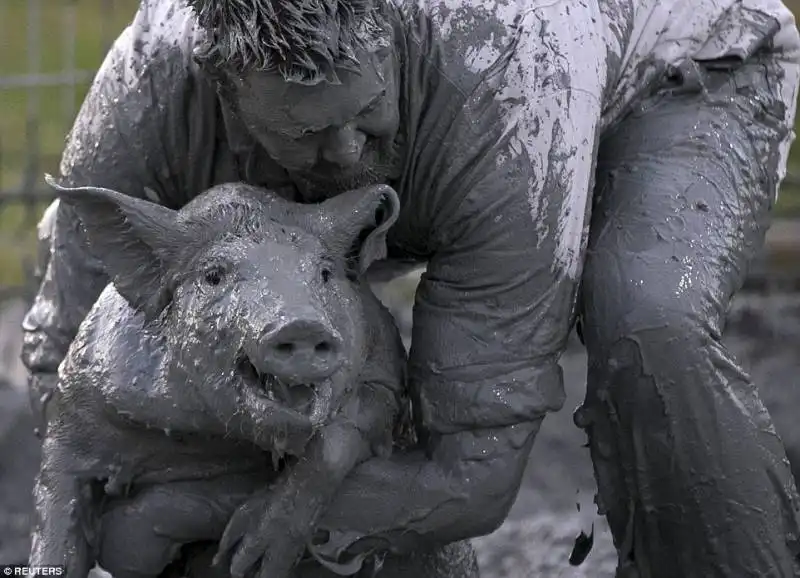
[(302, 351)]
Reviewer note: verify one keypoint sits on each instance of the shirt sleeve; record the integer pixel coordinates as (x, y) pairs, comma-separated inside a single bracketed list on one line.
[(506, 195), (489, 319), (130, 135)]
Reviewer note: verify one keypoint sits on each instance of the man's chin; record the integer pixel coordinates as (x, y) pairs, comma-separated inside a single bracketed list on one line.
[(315, 187)]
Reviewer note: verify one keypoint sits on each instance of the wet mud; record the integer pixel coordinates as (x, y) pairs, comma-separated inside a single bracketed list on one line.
[(538, 537)]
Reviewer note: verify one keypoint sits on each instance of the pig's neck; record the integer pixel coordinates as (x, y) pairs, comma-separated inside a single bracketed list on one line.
[(164, 400), (186, 411)]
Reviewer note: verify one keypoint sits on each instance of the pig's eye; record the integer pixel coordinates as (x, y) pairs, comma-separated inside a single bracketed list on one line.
[(326, 275), (213, 275)]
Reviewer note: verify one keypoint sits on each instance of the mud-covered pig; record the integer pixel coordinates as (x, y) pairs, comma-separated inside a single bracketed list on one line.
[(236, 335)]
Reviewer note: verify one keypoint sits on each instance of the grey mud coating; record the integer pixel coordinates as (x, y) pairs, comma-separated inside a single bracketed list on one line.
[(679, 214), (609, 159), (238, 348)]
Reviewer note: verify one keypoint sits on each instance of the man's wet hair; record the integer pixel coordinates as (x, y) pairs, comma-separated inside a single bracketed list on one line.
[(305, 41)]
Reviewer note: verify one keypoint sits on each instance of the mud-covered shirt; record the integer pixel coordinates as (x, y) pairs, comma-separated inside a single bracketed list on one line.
[(503, 103)]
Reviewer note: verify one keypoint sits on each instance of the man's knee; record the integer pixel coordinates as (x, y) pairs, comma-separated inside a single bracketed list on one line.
[(640, 339)]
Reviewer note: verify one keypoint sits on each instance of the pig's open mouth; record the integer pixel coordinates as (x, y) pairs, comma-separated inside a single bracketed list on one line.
[(298, 397)]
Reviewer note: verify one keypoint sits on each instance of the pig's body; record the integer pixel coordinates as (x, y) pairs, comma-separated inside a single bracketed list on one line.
[(140, 406), (121, 422), (123, 419)]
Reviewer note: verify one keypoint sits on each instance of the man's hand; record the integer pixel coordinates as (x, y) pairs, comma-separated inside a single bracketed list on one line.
[(271, 530), (400, 502), (268, 533)]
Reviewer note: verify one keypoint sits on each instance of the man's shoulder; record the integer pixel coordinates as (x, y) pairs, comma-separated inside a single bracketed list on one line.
[(149, 91), (163, 32), (469, 41), (522, 94), (462, 23), (169, 23), (150, 71)]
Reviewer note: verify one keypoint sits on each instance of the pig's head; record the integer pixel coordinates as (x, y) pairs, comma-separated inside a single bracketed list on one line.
[(259, 299)]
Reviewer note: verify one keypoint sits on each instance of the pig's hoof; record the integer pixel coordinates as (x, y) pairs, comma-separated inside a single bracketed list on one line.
[(264, 537)]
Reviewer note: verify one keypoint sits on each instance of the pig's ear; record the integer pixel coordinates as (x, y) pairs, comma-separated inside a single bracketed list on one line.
[(133, 238), (360, 222)]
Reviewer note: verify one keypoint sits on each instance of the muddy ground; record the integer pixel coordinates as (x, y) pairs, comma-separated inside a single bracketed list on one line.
[(537, 538)]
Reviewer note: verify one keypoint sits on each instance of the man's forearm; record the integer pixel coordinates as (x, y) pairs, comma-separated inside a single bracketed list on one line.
[(464, 489)]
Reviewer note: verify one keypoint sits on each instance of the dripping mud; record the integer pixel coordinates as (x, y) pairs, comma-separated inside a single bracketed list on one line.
[(555, 503)]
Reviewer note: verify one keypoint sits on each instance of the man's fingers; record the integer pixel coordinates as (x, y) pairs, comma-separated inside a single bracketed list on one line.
[(280, 557), (246, 519), (231, 537), (252, 548), (273, 544)]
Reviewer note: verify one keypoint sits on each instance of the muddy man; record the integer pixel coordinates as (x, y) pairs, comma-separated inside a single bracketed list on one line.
[(608, 162)]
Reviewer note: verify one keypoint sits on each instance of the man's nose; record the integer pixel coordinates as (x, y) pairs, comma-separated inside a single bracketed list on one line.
[(343, 145)]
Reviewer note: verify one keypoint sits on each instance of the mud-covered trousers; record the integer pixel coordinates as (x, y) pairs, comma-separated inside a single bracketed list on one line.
[(691, 473)]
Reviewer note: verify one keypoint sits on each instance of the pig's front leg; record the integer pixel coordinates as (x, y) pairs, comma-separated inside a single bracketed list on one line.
[(274, 527), (64, 514)]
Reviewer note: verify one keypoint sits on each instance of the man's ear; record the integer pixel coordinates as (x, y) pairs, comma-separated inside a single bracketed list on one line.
[(358, 221), (136, 240)]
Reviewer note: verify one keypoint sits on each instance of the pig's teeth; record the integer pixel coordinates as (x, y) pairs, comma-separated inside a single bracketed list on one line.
[(277, 456), (282, 391)]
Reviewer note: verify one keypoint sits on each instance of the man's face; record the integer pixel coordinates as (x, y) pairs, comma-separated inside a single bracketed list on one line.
[(330, 138)]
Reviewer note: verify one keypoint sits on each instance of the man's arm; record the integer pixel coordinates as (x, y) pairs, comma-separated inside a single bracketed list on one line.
[(127, 136), (490, 319), (414, 498), (508, 199)]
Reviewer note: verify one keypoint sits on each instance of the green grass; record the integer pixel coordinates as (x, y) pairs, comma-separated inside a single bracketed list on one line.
[(39, 120)]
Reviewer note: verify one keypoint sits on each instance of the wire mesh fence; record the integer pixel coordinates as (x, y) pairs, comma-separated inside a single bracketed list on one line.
[(49, 52)]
